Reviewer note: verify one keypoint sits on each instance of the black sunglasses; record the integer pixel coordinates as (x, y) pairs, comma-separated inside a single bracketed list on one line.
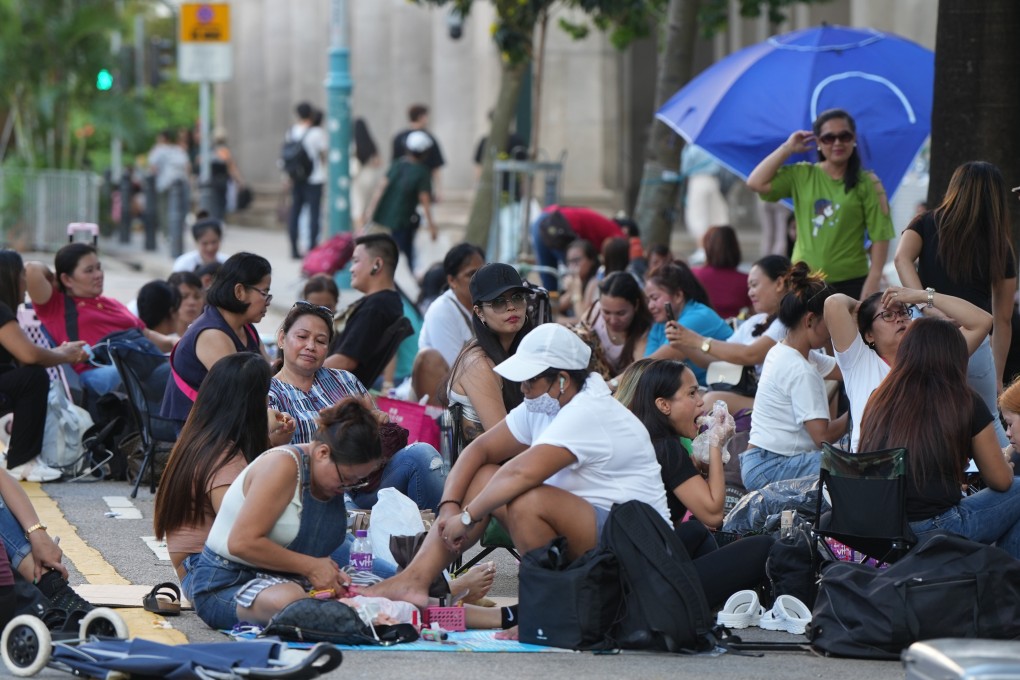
[(846, 137)]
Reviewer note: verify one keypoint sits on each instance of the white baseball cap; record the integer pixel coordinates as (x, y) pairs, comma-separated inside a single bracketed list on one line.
[(547, 346), (417, 142)]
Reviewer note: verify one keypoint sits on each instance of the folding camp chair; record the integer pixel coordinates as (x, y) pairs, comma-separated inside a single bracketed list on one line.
[(867, 493), (152, 428)]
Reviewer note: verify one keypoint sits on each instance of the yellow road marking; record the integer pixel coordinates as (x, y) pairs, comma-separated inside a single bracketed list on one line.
[(96, 569)]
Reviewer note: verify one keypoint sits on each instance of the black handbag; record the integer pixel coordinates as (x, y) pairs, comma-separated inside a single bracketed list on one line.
[(312, 620), (571, 605), (946, 587)]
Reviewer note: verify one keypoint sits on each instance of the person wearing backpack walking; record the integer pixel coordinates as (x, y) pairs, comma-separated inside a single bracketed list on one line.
[(303, 159)]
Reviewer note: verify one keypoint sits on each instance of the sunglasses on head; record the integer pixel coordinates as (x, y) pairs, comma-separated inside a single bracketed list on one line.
[(845, 137), (305, 304)]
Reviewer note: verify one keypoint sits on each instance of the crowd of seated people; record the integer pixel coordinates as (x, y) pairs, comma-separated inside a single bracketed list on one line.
[(540, 429)]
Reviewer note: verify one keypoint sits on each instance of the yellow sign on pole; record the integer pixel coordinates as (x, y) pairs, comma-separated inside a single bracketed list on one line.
[(205, 22)]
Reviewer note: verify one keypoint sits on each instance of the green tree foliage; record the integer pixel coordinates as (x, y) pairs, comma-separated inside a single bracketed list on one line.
[(51, 113)]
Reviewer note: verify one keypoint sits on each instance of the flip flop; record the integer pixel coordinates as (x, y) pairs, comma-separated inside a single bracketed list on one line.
[(163, 599), (741, 610), (787, 614)]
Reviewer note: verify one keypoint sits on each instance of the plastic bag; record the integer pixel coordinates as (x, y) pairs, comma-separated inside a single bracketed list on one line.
[(719, 417), (62, 437), (762, 509), (394, 514)]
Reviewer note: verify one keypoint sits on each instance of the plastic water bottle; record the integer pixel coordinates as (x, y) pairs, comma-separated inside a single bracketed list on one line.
[(361, 551)]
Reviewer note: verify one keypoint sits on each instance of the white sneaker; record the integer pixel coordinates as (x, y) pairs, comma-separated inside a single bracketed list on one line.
[(35, 471)]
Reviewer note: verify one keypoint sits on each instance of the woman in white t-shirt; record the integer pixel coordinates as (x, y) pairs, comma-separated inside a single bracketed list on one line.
[(553, 467), (867, 334), (766, 286), (791, 413)]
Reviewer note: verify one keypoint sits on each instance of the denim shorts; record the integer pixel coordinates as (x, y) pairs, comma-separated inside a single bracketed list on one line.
[(759, 466), (212, 582)]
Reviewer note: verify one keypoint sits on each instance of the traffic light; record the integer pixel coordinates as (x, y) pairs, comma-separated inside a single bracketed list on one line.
[(160, 60), (104, 80)]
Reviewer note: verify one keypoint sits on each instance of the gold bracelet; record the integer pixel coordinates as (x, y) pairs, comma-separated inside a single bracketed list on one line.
[(35, 527)]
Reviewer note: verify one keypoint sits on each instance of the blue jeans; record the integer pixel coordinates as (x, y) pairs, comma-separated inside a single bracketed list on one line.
[(13, 535), (546, 256), (417, 471), (759, 467), (986, 517), (100, 380), (981, 377)]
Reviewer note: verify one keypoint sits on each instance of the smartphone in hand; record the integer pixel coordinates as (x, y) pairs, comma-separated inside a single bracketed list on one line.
[(669, 313)]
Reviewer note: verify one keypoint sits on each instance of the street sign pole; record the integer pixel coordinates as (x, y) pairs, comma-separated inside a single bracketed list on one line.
[(204, 56)]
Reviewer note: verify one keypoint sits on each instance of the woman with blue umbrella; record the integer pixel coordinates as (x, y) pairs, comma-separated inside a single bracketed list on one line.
[(841, 209)]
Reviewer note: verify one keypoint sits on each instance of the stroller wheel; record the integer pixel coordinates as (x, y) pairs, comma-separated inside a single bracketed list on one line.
[(102, 622), (26, 645)]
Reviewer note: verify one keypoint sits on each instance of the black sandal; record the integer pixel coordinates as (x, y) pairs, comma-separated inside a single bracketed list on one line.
[(163, 599)]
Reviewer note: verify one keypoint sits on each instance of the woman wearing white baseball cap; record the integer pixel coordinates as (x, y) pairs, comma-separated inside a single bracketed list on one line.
[(554, 467)]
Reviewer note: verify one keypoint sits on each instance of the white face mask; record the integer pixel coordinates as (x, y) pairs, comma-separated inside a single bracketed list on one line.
[(543, 404)]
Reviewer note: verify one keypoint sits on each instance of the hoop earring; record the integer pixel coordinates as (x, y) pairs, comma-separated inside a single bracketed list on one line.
[(871, 344)]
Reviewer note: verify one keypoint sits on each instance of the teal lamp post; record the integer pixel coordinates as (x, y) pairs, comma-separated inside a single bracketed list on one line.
[(338, 105)]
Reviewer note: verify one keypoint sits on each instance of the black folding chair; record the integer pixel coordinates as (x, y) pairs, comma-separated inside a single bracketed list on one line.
[(144, 401), (867, 493)]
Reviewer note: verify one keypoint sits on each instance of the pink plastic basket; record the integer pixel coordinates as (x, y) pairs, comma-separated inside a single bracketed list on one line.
[(448, 618)]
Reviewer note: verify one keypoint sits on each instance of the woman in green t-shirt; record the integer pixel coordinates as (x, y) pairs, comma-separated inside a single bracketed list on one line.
[(839, 206)]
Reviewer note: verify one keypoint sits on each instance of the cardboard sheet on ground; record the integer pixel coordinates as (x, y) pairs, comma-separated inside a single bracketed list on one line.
[(467, 641), (102, 595)]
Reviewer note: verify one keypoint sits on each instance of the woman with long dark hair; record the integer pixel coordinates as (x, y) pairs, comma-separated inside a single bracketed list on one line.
[(836, 203), (500, 321), (952, 427), (791, 408), (621, 320), (752, 340), (866, 336), (668, 402), (676, 285), (582, 280), (227, 429), (963, 248), (238, 299), (24, 383)]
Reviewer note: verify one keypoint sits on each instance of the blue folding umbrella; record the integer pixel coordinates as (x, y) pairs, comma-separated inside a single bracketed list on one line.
[(744, 106)]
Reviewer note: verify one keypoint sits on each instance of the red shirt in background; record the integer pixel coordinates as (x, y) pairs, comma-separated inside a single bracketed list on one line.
[(727, 289), (589, 225), (97, 318)]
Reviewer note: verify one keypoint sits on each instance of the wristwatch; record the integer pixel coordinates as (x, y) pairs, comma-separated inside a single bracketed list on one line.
[(706, 346), (931, 296), (465, 518)]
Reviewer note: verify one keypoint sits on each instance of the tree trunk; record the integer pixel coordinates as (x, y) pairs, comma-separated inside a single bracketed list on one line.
[(506, 103), (656, 199), (977, 93)]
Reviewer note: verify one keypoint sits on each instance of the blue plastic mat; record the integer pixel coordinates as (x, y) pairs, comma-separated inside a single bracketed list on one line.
[(467, 641)]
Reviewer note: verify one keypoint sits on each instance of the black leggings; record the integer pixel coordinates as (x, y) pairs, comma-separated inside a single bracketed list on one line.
[(696, 537), (24, 390), (736, 566)]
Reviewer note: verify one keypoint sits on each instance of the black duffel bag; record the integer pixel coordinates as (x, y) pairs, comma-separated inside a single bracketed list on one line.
[(568, 604), (946, 587)]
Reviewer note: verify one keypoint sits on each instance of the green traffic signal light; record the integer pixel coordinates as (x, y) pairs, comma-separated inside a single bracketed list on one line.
[(104, 80)]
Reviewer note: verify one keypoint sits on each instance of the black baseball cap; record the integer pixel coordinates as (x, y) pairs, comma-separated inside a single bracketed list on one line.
[(492, 280)]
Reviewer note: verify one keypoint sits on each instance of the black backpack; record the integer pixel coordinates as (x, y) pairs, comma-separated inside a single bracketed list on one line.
[(294, 159), (663, 605)]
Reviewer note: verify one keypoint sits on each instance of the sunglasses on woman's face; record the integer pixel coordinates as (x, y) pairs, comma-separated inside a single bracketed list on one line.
[(500, 304), (829, 138)]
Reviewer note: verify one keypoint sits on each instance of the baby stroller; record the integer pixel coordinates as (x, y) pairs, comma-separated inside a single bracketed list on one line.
[(98, 650)]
